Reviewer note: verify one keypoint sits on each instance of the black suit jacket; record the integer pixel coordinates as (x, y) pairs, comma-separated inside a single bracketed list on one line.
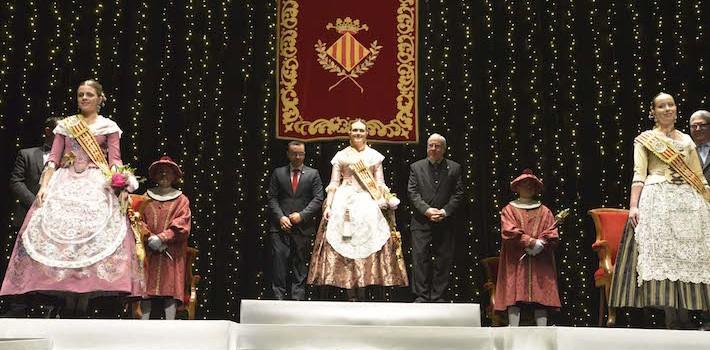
[(24, 181), (307, 200), (448, 194)]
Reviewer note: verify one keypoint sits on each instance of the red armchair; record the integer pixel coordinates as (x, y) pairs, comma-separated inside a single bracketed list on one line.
[(191, 280), (609, 224), (490, 266)]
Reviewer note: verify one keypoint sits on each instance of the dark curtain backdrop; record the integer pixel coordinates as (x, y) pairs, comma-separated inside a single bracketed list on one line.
[(561, 87)]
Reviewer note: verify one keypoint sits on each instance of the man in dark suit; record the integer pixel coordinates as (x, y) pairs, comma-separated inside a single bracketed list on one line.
[(24, 179), (700, 131), (295, 198), (24, 184), (436, 192)]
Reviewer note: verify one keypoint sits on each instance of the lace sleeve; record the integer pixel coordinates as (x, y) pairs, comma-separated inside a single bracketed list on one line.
[(335, 176), (379, 174), (376, 158)]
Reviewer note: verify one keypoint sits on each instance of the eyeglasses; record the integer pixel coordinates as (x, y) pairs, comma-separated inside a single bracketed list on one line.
[(702, 126)]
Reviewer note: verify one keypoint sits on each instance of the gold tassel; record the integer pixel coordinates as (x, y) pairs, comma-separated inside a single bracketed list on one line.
[(135, 220), (347, 230)]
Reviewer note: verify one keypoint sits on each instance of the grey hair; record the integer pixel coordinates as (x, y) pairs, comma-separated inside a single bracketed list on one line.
[(437, 137), (703, 114), (295, 143)]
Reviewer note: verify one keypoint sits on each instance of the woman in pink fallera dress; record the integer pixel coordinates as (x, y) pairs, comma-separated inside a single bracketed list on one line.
[(75, 241)]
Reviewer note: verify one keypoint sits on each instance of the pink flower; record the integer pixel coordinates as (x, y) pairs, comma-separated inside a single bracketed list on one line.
[(118, 181)]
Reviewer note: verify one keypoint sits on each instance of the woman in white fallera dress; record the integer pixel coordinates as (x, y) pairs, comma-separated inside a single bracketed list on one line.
[(354, 247)]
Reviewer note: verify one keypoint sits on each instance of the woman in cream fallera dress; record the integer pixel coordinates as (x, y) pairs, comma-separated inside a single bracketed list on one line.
[(663, 261), (353, 246)]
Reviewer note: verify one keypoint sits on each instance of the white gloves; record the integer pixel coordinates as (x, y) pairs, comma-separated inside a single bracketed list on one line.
[(390, 203), (132, 184), (537, 248), (156, 244), (382, 203)]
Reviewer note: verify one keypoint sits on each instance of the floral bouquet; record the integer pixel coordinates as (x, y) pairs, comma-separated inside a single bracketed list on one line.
[(121, 178), (388, 200)]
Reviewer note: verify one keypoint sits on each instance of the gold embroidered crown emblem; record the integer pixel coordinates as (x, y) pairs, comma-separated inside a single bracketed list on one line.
[(348, 25)]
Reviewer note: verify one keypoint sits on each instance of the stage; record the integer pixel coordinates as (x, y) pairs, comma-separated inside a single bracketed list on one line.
[(326, 325), (215, 335)]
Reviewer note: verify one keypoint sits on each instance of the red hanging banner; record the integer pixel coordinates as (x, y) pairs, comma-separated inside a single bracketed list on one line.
[(343, 60)]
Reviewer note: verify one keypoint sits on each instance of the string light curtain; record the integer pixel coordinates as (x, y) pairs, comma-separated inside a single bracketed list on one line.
[(561, 87)]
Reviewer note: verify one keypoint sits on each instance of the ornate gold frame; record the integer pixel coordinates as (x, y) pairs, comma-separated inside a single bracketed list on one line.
[(322, 128)]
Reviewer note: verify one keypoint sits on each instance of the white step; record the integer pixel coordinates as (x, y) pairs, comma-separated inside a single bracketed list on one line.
[(308, 337), (359, 313), (25, 344), (305, 337), (124, 334)]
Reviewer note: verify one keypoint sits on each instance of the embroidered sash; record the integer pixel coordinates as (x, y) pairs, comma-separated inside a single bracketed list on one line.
[(363, 175), (86, 139), (665, 151), (365, 178)]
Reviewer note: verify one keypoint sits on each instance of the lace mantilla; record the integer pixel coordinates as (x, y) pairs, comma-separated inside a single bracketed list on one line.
[(79, 224), (673, 234), (356, 227), (102, 126)]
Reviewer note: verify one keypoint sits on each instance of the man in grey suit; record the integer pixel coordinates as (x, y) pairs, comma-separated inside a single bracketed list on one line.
[(295, 198), (436, 192), (24, 184), (700, 131)]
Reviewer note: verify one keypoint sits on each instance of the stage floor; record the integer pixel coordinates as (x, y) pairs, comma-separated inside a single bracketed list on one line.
[(215, 335), (334, 325)]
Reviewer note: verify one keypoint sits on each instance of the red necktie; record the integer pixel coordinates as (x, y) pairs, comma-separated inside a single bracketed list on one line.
[(294, 180)]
